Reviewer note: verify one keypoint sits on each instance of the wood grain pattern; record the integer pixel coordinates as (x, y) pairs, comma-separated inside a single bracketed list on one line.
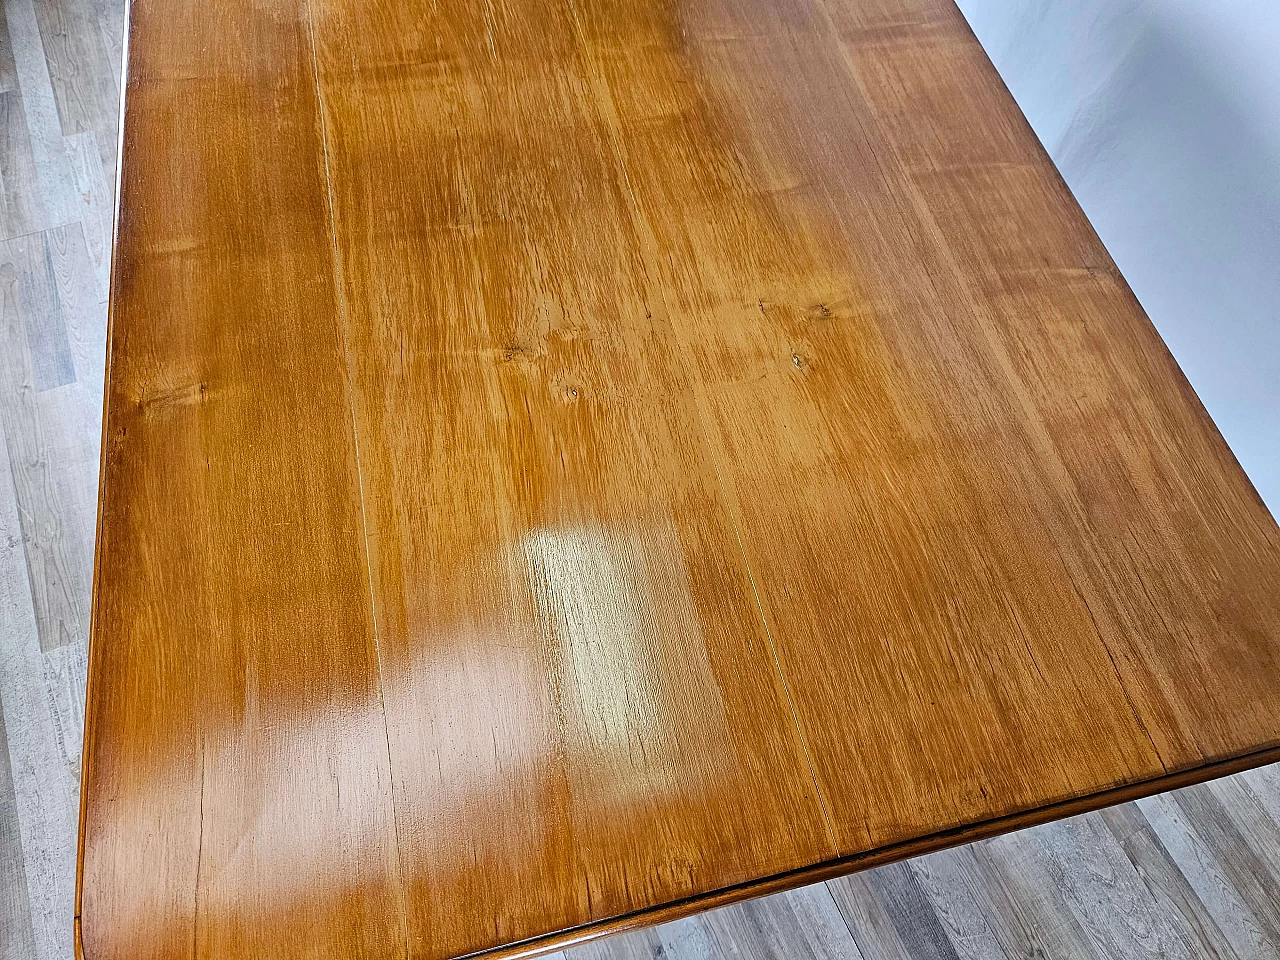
[(226, 363), (47, 430), (569, 461), (1240, 918), (79, 58), (1168, 885), (17, 938), (21, 207), (44, 787)]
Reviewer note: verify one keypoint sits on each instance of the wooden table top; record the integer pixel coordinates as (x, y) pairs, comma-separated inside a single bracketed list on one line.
[(569, 463)]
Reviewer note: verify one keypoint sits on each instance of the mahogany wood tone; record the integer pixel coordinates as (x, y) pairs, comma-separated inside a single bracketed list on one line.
[(569, 463)]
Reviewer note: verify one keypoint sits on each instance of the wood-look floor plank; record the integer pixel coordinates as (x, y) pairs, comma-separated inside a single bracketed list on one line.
[(97, 199), (64, 683), (802, 924), (48, 428), (1032, 915), (641, 945), (17, 935), (44, 322), (1211, 879), (1250, 875), (50, 418), (44, 789), (8, 69), (891, 917), (1264, 784), (69, 255), (53, 174), (49, 173), (80, 59), (21, 212), (1251, 820), (109, 15), (1106, 893), (1174, 896), (963, 907), (22, 208)]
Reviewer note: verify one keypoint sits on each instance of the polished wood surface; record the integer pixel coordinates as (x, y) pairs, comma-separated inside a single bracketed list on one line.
[(568, 462)]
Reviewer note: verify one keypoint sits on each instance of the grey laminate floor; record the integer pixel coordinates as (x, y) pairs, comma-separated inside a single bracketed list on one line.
[(1191, 874)]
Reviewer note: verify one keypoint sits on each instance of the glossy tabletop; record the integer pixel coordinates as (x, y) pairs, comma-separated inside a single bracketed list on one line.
[(572, 462)]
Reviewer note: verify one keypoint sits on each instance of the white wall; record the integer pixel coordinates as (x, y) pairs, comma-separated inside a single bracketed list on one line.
[(1164, 117)]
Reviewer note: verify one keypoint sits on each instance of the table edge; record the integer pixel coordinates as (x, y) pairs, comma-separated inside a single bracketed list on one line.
[(876, 857), (86, 740), (839, 866)]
